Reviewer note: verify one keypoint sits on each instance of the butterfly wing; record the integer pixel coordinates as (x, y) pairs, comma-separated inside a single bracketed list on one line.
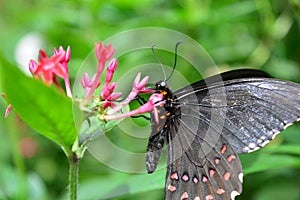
[(251, 111), (216, 120), (200, 168)]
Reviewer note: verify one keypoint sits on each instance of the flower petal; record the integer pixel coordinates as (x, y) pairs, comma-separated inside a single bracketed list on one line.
[(7, 111), (154, 100), (33, 66), (112, 66)]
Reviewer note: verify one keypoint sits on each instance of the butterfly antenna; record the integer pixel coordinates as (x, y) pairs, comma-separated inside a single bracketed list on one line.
[(157, 58), (175, 60)]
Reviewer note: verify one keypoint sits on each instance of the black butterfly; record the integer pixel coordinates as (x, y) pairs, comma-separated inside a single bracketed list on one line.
[(209, 122)]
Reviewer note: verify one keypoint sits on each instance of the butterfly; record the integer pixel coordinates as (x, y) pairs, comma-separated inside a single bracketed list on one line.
[(208, 123)]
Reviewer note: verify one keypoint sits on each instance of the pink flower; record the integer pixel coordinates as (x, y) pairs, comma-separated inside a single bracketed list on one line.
[(109, 101), (112, 66), (88, 83), (106, 105), (107, 90), (51, 68), (137, 86), (9, 107), (108, 98), (103, 54), (108, 87), (154, 100), (8, 110)]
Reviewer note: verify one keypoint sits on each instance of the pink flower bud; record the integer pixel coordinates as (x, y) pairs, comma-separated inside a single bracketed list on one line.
[(114, 96), (107, 104), (112, 66), (8, 110), (139, 85), (107, 89), (68, 54), (42, 55), (9, 107), (85, 81), (33, 66), (104, 53)]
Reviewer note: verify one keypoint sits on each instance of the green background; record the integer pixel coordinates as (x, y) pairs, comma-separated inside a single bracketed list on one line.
[(257, 34)]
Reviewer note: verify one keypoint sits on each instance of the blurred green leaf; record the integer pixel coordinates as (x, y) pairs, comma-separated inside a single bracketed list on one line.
[(41, 107), (282, 189), (283, 149), (121, 184), (10, 185), (265, 162)]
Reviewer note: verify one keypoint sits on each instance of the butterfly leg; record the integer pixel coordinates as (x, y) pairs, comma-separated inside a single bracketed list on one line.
[(141, 101), (138, 116)]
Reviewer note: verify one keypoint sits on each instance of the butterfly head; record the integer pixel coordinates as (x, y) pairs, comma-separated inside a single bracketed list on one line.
[(161, 86)]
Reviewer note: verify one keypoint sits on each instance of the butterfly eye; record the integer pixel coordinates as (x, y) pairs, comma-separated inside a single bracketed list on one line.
[(163, 84)]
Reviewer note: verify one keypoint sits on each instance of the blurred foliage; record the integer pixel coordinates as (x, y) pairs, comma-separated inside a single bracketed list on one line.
[(257, 34)]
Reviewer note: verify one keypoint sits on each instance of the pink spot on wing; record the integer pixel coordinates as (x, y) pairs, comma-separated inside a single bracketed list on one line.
[(195, 180), (230, 158), (185, 177), (209, 197), (174, 176), (204, 179), (171, 188), (223, 149), (226, 176), (211, 172), (220, 191), (185, 195), (217, 160)]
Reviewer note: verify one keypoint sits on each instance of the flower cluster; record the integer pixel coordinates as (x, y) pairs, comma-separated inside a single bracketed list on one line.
[(51, 68), (108, 97), (106, 105)]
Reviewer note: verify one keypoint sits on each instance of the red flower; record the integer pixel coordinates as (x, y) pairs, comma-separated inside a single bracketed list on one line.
[(51, 68)]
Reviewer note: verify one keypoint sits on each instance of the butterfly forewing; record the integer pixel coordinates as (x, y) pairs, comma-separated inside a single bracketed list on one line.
[(254, 110)]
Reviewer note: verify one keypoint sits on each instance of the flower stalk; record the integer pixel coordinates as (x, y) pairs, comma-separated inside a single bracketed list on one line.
[(73, 175)]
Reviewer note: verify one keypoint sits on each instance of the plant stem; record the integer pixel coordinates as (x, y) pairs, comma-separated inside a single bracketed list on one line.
[(18, 159), (73, 175)]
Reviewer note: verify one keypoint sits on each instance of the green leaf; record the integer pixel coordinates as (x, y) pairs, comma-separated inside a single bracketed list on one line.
[(146, 182), (43, 108), (283, 149), (265, 162), (121, 184)]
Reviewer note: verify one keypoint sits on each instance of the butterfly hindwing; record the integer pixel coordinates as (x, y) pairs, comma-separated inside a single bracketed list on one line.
[(214, 173)]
